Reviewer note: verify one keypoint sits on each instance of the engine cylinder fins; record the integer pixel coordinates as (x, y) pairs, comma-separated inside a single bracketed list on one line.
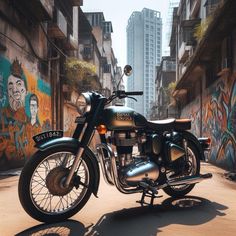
[(124, 139)]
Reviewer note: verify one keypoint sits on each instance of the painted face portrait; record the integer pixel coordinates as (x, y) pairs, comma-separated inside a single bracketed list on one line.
[(34, 106), (16, 92)]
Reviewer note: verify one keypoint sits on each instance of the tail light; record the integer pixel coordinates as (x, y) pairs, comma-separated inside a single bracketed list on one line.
[(205, 143)]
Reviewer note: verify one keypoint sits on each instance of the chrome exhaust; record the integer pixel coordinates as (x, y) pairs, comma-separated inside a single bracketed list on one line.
[(189, 180), (102, 160), (111, 174)]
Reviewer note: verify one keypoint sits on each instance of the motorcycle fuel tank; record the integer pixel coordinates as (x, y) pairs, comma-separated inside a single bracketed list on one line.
[(122, 118)]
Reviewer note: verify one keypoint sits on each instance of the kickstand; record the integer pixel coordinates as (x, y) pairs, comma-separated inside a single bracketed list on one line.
[(147, 193)]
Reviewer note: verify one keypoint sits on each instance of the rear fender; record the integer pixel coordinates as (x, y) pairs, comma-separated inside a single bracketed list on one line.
[(74, 144)]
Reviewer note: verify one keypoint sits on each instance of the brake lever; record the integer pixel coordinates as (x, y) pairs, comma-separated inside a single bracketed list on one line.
[(133, 98)]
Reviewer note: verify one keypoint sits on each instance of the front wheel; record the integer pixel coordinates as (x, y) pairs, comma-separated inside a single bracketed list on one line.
[(192, 168), (41, 185)]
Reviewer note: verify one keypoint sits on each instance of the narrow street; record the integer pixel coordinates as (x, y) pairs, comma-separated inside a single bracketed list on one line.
[(209, 209)]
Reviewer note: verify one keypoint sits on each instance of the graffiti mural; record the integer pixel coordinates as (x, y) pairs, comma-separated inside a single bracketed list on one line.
[(218, 121), (192, 111), (24, 111)]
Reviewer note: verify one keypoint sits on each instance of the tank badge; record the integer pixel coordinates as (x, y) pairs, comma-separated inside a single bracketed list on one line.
[(123, 117)]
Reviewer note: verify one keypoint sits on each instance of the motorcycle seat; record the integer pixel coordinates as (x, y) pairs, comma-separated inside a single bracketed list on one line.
[(170, 124)]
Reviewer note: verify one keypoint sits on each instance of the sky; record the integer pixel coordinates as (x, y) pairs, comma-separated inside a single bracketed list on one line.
[(118, 12)]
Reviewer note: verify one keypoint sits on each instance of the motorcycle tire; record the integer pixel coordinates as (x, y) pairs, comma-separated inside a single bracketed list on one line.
[(40, 189), (178, 191)]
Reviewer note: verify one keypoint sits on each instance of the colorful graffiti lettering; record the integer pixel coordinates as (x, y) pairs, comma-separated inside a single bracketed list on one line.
[(24, 111)]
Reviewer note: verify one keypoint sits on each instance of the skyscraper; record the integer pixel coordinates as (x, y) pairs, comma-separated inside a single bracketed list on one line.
[(144, 41)]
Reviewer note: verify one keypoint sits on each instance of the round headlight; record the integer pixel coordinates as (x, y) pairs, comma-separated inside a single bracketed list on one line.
[(83, 103)]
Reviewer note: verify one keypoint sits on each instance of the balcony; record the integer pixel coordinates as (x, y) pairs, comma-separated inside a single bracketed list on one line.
[(183, 54), (41, 9), (187, 29), (58, 29), (71, 43)]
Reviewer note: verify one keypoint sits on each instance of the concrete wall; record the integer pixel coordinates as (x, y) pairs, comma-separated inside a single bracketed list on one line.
[(70, 114), (218, 119)]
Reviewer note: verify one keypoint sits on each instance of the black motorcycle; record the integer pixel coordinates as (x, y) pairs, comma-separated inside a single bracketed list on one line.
[(135, 155)]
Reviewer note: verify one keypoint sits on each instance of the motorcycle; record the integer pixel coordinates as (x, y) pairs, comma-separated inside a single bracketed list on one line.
[(135, 156)]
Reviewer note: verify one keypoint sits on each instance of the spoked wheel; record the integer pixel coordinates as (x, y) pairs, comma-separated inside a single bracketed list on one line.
[(42, 191), (192, 168)]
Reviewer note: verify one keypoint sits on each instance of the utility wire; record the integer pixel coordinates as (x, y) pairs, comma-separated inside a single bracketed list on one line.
[(50, 41), (28, 53), (6, 18)]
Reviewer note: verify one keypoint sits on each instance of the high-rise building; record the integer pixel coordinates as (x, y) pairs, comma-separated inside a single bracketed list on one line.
[(144, 41)]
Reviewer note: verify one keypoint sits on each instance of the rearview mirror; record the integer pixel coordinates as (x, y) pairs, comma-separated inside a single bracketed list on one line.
[(128, 70)]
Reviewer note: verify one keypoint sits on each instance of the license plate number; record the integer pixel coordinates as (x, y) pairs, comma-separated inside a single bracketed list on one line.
[(45, 136)]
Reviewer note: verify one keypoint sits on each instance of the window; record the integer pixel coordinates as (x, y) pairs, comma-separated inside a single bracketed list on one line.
[(107, 68)]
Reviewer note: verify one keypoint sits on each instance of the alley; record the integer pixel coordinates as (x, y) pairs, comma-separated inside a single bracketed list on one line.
[(209, 209)]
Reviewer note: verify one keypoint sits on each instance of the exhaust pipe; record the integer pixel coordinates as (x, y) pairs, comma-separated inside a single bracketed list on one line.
[(189, 180)]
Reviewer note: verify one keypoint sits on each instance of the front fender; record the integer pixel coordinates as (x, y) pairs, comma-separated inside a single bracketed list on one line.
[(74, 144), (58, 142)]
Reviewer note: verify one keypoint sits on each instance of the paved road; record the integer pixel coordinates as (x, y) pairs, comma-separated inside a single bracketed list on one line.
[(210, 209)]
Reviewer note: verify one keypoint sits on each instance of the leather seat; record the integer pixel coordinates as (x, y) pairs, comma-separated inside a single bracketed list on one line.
[(170, 124)]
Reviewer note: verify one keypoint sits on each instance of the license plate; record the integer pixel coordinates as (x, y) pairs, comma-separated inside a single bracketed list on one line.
[(45, 136)]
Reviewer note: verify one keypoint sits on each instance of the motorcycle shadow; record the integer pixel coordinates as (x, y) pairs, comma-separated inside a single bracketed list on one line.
[(65, 228), (139, 221)]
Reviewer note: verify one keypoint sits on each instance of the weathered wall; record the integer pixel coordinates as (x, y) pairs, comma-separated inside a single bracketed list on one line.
[(218, 120), (70, 114), (25, 108)]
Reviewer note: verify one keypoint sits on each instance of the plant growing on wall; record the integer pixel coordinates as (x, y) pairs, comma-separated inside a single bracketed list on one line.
[(169, 90), (202, 27), (80, 73)]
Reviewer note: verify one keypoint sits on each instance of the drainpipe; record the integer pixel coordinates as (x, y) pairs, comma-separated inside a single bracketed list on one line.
[(53, 75)]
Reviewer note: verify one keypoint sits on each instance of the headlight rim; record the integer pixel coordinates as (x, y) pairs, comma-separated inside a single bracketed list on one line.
[(87, 107)]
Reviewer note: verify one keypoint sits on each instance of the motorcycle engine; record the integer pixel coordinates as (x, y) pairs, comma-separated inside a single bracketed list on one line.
[(133, 166)]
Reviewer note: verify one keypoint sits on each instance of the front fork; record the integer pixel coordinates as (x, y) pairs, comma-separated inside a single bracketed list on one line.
[(74, 166), (84, 133)]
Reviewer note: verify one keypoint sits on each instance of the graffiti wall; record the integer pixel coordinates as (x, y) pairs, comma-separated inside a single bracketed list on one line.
[(218, 120), (25, 110)]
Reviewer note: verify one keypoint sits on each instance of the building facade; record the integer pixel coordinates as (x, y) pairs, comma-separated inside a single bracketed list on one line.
[(102, 31), (36, 40), (206, 73), (144, 42), (165, 82), (168, 24)]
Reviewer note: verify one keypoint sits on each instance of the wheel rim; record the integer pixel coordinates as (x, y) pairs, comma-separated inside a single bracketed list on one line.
[(192, 160), (42, 197)]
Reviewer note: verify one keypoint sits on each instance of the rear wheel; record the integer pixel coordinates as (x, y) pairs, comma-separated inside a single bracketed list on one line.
[(41, 185), (192, 168)]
